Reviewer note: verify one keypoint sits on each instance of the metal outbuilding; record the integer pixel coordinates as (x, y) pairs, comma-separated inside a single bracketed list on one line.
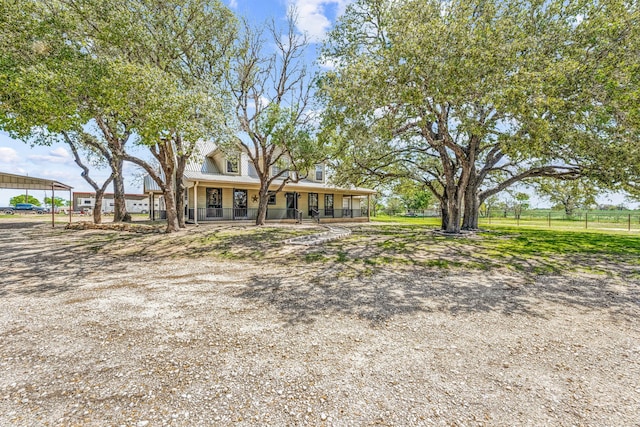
[(20, 182)]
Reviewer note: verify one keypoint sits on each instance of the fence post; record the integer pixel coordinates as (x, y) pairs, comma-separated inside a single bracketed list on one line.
[(549, 219), (629, 221), (586, 220)]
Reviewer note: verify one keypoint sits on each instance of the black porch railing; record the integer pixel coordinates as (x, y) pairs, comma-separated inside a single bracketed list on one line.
[(230, 214)]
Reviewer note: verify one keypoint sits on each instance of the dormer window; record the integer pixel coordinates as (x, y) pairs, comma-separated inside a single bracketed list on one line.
[(278, 167), (233, 165), (320, 173)]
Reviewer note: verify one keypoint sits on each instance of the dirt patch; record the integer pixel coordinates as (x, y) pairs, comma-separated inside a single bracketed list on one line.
[(208, 327)]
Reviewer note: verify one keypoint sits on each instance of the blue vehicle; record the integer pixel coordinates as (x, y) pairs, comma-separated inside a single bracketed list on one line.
[(23, 207)]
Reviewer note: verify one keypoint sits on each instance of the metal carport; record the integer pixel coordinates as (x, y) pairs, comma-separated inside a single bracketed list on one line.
[(20, 182)]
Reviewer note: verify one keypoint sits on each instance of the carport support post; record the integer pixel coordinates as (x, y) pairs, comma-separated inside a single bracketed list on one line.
[(53, 208)]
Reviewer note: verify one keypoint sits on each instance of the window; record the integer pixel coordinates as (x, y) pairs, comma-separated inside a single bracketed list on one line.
[(319, 172), (313, 204), (214, 203), (87, 202), (240, 204), (328, 204), (214, 198), (275, 169), (272, 198), (233, 165)]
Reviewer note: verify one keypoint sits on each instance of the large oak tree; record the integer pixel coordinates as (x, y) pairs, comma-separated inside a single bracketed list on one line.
[(471, 97)]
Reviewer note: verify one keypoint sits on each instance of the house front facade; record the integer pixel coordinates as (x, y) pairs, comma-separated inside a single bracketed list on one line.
[(222, 187)]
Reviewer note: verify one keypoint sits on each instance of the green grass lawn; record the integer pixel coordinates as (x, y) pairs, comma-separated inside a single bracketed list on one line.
[(613, 223), (398, 243), (409, 240)]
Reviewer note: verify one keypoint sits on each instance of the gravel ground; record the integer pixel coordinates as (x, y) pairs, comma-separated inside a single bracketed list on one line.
[(94, 339)]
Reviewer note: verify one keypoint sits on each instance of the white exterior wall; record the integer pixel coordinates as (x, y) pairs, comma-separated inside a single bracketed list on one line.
[(132, 205)]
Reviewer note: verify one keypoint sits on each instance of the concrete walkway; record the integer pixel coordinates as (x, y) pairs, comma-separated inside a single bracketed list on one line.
[(332, 233)]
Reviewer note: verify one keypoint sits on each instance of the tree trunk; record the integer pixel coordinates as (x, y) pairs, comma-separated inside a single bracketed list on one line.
[(163, 152), (120, 213), (181, 165), (97, 209), (451, 214), (444, 214), (471, 208), (261, 217), (168, 164), (180, 203), (170, 206), (452, 223), (263, 197)]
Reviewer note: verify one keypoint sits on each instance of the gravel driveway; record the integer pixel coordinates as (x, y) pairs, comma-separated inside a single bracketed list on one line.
[(91, 337)]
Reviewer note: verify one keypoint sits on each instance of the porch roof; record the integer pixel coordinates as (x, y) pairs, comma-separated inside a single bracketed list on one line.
[(249, 182)]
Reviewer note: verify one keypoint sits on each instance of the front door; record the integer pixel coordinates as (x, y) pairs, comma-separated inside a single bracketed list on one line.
[(292, 205), (346, 206), (239, 204)]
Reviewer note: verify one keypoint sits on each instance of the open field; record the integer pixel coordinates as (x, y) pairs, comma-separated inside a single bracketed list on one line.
[(601, 220), (394, 325)]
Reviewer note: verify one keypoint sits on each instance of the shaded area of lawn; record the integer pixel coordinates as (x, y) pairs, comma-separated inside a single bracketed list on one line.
[(378, 272), (375, 246), (531, 251), (41, 253)]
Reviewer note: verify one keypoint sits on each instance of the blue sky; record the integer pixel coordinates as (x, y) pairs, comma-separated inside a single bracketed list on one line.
[(315, 17)]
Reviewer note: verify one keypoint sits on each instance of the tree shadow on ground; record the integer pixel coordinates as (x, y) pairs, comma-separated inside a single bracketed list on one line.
[(386, 293), (18, 225), (41, 261)]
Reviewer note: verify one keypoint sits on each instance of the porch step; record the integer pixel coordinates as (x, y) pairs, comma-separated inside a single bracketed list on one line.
[(332, 233)]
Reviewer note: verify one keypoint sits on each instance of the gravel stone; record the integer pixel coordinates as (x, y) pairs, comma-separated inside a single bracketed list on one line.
[(97, 337)]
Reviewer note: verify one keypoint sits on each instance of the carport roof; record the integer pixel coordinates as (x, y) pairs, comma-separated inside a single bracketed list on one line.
[(20, 182)]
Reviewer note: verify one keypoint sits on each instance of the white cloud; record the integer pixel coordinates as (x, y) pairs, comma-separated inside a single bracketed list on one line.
[(314, 15), (263, 102), (233, 4), (58, 155), (8, 155)]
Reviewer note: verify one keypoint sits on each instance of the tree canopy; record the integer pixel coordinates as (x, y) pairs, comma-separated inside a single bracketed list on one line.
[(102, 75), (271, 88), (24, 198), (471, 97)]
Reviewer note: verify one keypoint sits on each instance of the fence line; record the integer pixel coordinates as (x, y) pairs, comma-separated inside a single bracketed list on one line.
[(550, 219), (586, 220)]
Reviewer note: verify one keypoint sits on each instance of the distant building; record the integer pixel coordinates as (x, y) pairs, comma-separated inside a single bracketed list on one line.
[(135, 203)]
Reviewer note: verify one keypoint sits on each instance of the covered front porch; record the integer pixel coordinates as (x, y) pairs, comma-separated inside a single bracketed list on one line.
[(211, 202)]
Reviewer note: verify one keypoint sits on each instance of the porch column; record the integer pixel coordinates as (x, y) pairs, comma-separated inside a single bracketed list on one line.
[(369, 207), (195, 203), (71, 203), (351, 204)]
